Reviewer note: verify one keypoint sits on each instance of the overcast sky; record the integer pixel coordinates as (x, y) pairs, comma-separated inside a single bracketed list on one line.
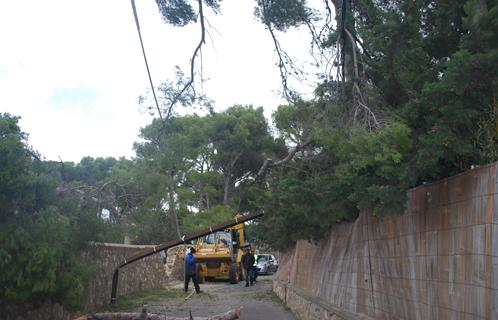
[(73, 70)]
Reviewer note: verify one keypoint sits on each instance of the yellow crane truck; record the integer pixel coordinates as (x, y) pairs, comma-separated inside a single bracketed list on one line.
[(219, 254)]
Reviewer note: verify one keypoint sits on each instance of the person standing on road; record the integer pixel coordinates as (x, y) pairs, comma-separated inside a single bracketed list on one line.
[(191, 271), (247, 263), (255, 265)]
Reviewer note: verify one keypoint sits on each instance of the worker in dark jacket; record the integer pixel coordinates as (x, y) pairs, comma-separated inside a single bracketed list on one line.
[(191, 271), (247, 263)]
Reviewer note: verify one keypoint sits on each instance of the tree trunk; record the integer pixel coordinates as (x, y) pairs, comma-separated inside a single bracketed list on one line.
[(226, 188), (230, 315), (172, 204), (345, 45), (227, 177)]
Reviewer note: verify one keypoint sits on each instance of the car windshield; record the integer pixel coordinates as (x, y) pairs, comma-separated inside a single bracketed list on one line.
[(221, 237), (262, 258)]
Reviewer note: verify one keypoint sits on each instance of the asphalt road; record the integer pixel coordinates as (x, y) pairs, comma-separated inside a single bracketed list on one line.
[(258, 302)]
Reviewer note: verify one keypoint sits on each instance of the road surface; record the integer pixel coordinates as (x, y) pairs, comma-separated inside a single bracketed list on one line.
[(258, 302)]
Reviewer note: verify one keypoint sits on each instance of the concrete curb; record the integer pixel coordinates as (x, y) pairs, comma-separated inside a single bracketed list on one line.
[(308, 307)]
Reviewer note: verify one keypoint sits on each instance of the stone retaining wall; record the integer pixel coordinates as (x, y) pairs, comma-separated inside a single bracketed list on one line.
[(438, 260), (147, 273)]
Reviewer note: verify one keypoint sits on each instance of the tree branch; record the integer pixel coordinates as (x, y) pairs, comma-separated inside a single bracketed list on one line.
[(269, 163), (190, 83), (283, 59)]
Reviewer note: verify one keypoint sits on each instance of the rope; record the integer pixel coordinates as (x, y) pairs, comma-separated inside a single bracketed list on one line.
[(145, 57)]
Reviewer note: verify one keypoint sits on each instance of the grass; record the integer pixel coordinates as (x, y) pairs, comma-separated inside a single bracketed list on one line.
[(136, 300)]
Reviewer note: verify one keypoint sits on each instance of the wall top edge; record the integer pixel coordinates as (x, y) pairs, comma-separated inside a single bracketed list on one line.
[(458, 175)]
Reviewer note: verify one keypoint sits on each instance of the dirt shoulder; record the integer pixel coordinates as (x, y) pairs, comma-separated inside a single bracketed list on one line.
[(257, 301)]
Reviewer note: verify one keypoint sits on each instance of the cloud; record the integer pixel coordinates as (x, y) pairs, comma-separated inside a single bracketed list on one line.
[(82, 96), (73, 70)]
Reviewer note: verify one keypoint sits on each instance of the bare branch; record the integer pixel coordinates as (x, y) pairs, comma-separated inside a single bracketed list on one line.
[(283, 60), (269, 163), (190, 83)]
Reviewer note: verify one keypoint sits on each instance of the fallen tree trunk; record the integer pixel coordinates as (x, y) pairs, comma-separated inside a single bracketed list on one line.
[(230, 315)]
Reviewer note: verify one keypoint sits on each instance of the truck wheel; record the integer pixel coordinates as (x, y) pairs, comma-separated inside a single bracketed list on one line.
[(233, 274)]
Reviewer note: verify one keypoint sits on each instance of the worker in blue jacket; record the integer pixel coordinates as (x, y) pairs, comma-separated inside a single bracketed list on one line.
[(191, 270)]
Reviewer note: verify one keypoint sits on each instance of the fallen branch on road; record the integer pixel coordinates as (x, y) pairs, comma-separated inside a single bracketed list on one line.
[(230, 315)]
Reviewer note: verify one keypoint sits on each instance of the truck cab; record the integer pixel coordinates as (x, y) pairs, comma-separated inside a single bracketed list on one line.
[(219, 254)]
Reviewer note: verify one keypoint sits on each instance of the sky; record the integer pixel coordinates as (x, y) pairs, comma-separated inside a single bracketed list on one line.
[(73, 70)]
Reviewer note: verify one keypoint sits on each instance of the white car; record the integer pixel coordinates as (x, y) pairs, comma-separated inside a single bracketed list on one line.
[(266, 264)]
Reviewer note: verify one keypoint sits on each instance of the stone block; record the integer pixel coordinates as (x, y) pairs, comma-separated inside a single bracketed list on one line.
[(490, 207), (447, 314), (431, 243), (455, 211), (495, 206), (455, 187), (474, 300), (421, 311), (432, 312), (475, 270), (494, 275), (410, 240), (475, 240), (432, 293), (431, 267), (408, 224), (419, 222), (409, 267), (421, 271), (467, 213), (420, 244), (456, 296), (432, 219), (443, 268), (459, 238), (444, 240), (495, 302), (444, 218), (494, 241), (457, 268)]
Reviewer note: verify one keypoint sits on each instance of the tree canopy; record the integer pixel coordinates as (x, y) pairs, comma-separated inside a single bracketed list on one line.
[(410, 98)]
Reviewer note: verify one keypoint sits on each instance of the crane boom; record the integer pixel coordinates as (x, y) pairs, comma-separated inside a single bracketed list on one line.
[(173, 243)]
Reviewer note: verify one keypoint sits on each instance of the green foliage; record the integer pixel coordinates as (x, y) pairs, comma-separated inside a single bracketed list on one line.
[(196, 168), (373, 168), (91, 171), (350, 170), (39, 261), (42, 233), (204, 219), (435, 66), (180, 12), (176, 12), (430, 70), (282, 14), (20, 189)]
